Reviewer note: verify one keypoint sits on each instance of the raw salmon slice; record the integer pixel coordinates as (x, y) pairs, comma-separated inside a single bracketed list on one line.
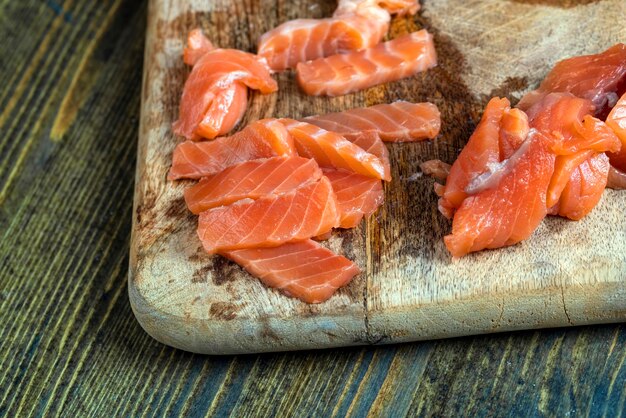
[(394, 122), (197, 46), (251, 180), (508, 210), (617, 122), (261, 139), (332, 150), (215, 96), (481, 151), (271, 220), (600, 78), (581, 169), (345, 73), (356, 24), (584, 188), (370, 142), (357, 196), (303, 270)]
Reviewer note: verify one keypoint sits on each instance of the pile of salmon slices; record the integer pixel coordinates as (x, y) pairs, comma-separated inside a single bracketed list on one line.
[(267, 194), (552, 155)]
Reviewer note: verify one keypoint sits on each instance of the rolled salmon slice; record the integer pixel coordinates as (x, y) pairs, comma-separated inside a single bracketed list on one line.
[(304, 270), (271, 220), (394, 122), (332, 150), (358, 196), (389, 61), (482, 149), (261, 139), (216, 92), (251, 180)]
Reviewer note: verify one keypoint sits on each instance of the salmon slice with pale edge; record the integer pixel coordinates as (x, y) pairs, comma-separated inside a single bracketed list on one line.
[(270, 220), (197, 46), (353, 71), (508, 210), (358, 196), (215, 92), (482, 149), (395, 122), (617, 122), (261, 139), (304, 270), (332, 150), (251, 180), (600, 78)]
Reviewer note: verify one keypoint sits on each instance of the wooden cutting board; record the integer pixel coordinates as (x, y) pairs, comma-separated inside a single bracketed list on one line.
[(568, 273)]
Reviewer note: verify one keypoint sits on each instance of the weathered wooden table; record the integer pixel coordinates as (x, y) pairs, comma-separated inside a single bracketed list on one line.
[(69, 103)]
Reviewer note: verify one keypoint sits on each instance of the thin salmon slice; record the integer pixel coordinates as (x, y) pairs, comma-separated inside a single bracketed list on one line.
[(482, 150), (390, 61), (370, 142), (332, 150), (358, 196), (356, 24), (508, 210), (261, 139), (271, 220), (617, 122), (395, 122), (581, 169), (303, 270), (600, 78), (584, 189), (197, 46), (215, 95), (251, 180)]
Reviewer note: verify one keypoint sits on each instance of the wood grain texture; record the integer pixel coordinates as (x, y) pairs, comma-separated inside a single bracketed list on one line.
[(69, 344), (568, 273)]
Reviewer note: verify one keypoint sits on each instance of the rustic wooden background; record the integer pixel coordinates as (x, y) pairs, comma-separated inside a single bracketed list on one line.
[(69, 345)]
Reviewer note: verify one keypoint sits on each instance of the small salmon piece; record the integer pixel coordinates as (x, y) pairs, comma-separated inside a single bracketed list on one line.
[(332, 150), (584, 188), (304, 270), (617, 122), (600, 78), (271, 220), (353, 71), (251, 180), (436, 169), (355, 25), (261, 139), (395, 122), (510, 210), (215, 93), (197, 46), (358, 196), (482, 149)]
